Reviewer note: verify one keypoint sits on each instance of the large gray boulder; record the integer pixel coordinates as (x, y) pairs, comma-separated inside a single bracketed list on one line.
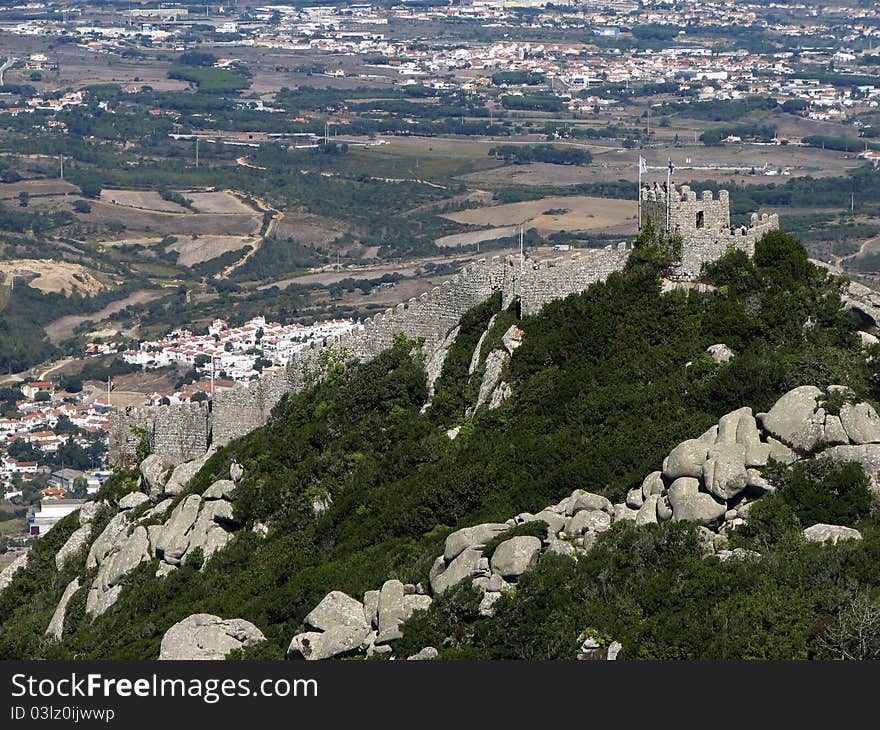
[(635, 498), (555, 522), (724, 472), (183, 474), (155, 470), (371, 608), (434, 363), (203, 636), (513, 557), (10, 570), (337, 641), (700, 507), (588, 520), (796, 419), (128, 555), (55, 630), (861, 422), (392, 611), (622, 512), (337, 609), (686, 459), (174, 541), (495, 362), (652, 484), (221, 489), (581, 500), (831, 533), (866, 455), (466, 564), (73, 545), (132, 500), (835, 433), (470, 536), (115, 531), (647, 514)]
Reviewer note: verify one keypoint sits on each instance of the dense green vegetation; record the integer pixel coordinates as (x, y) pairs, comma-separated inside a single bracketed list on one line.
[(523, 154), (601, 393)]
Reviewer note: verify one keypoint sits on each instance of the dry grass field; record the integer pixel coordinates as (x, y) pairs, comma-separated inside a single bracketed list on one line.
[(552, 214)]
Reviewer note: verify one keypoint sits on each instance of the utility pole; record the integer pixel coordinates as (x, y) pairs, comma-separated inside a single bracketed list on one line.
[(197, 151), (61, 159)]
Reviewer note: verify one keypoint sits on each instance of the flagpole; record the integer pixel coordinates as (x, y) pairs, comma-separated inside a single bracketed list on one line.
[(639, 195), (668, 192)]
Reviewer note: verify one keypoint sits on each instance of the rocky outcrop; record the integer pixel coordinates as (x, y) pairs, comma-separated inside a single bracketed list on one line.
[(78, 539), (203, 636), (10, 570), (831, 533), (495, 362), (434, 363), (183, 474), (513, 557), (155, 471), (55, 630)]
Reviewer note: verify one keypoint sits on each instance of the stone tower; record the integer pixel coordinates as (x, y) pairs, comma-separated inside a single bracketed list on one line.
[(703, 222)]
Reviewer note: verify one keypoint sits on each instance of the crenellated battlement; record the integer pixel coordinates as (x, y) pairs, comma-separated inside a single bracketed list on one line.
[(703, 223), (186, 431)]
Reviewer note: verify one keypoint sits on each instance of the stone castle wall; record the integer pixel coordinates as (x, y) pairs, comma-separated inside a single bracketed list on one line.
[(703, 222), (183, 432), (538, 283)]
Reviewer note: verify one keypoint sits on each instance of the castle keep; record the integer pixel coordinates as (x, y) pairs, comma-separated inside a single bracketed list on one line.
[(703, 222), (185, 431)]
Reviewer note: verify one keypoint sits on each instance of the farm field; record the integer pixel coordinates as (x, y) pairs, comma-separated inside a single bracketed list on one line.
[(558, 213)]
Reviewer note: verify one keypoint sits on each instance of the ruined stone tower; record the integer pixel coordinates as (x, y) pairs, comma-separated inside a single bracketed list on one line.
[(703, 222)]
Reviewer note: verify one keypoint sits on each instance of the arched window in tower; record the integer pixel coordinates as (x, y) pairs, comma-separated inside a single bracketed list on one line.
[(701, 219)]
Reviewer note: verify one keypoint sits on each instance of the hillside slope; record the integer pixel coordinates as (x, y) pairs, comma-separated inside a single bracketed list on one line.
[(355, 481)]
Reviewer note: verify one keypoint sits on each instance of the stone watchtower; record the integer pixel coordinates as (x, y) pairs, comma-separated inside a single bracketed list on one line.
[(703, 222)]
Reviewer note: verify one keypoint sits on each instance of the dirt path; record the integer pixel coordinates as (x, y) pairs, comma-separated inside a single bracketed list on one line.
[(244, 162), (63, 327), (839, 260), (269, 231)]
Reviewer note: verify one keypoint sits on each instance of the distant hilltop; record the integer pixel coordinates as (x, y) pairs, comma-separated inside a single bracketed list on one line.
[(182, 432)]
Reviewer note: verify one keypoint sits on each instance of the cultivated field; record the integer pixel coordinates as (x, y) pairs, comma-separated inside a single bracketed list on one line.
[(557, 213), (137, 220), (204, 248), (143, 199), (221, 201)]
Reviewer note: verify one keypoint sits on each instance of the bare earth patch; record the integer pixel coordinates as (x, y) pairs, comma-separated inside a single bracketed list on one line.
[(48, 276)]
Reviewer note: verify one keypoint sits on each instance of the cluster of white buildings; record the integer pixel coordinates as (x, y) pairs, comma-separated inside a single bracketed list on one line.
[(234, 353)]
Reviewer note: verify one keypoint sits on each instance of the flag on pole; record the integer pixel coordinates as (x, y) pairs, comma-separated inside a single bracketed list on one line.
[(671, 167), (110, 384), (643, 166)]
